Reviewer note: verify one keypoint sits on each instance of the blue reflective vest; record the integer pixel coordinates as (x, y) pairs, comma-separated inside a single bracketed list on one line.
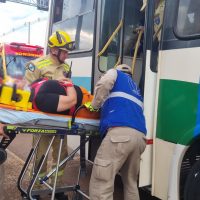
[(124, 106)]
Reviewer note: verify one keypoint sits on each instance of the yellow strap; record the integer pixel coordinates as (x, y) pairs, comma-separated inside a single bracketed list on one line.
[(157, 32), (111, 38), (4, 63), (118, 62), (136, 50)]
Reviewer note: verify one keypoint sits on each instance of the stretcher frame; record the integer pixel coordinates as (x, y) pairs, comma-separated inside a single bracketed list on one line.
[(84, 131)]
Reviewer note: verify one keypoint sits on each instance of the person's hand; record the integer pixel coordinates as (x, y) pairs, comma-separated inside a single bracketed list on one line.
[(64, 79), (90, 108), (20, 83), (66, 82), (2, 131)]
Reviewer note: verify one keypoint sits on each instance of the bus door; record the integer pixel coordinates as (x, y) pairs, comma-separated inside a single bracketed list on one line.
[(125, 36)]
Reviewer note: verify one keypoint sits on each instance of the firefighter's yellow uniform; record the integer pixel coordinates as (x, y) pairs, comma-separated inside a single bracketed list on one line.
[(49, 67), (46, 66)]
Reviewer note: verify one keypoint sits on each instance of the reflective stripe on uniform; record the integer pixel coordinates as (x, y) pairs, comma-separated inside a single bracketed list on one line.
[(126, 96), (43, 63), (60, 173)]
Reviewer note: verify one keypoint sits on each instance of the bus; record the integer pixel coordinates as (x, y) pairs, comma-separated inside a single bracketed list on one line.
[(14, 56), (160, 39)]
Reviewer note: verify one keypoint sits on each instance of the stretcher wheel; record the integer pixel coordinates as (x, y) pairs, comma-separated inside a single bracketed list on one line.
[(3, 156)]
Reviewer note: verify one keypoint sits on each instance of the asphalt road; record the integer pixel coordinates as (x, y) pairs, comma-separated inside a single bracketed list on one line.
[(19, 150)]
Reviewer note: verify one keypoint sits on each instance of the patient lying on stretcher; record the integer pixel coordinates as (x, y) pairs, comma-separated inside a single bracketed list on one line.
[(60, 97)]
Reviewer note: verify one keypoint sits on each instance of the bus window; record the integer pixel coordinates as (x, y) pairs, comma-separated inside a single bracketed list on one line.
[(76, 17), (133, 24), (109, 22), (134, 19), (70, 8), (188, 18)]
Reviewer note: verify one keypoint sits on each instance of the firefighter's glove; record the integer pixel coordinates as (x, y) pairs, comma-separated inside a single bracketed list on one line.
[(90, 108)]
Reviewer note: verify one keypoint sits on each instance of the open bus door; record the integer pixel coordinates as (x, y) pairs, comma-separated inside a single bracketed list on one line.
[(132, 45)]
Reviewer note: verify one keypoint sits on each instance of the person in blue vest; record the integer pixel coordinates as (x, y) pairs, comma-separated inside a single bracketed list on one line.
[(123, 129)]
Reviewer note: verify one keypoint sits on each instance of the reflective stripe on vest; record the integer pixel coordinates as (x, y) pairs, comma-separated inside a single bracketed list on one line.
[(126, 96)]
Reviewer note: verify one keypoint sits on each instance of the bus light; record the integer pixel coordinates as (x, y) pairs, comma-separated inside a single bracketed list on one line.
[(26, 48)]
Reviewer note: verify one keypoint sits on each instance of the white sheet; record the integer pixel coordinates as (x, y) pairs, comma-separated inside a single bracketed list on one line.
[(20, 117)]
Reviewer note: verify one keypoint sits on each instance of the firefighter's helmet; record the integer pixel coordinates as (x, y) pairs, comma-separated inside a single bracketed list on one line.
[(124, 68), (62, 40)]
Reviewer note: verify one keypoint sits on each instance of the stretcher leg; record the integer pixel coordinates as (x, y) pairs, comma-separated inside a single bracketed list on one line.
[(57, 167), (25, 168), (38, 169)]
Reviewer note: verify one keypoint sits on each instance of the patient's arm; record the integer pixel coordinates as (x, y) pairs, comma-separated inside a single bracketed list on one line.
[(66, 102)]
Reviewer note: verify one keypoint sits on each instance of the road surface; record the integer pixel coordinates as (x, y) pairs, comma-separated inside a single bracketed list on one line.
[(17, 154)]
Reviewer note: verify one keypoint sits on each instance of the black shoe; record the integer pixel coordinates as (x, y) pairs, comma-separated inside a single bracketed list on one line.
[(61, 196)]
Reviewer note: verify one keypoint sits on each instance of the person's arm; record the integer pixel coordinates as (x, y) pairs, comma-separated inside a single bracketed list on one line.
[(66, 102), (103, 88), (32, 73), (21, 84)]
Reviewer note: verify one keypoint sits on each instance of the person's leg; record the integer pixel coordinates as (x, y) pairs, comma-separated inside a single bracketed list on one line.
[(41, 150), (130, 169), (110, 157)]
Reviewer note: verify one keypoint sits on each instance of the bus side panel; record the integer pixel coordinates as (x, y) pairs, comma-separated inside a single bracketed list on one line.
[(81, 71), (145, 177), (177, 114)]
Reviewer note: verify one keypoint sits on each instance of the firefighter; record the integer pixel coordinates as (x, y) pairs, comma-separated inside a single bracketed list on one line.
[(52, 66), (123, 129)]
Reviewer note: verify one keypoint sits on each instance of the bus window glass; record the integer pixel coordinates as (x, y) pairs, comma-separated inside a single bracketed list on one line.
[(133, 27), (134, 20), (80, 29), (76, 7), (109, 22), (71, 8), (188, 19)]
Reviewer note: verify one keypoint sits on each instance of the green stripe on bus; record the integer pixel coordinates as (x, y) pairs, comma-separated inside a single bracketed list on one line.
[(177, 111)]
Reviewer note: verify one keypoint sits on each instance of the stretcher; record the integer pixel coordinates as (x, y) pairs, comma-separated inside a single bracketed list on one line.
[(39, 123)]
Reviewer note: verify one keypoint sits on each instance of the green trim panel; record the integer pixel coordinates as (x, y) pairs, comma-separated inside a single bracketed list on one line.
[(177, 111)]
